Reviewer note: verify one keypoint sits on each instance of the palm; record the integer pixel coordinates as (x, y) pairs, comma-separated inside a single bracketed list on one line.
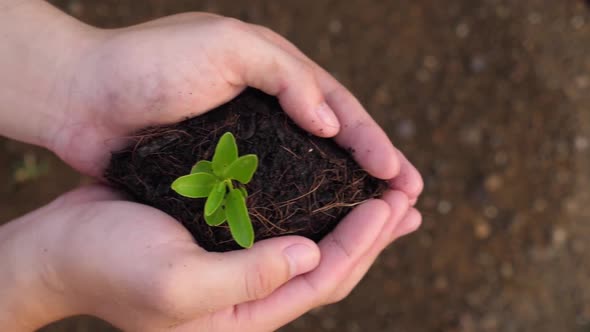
[(146, 76), (181, 66), (147, 257)]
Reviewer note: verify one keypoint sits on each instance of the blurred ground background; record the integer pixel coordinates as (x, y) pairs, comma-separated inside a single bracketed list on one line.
[(490, 99)]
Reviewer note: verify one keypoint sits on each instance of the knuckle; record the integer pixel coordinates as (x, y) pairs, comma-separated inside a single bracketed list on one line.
[(233, 25), (257, 283), (267, 32), (304, 69), (339, 296)]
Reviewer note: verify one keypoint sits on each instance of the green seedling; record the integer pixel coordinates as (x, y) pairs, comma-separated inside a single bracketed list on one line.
[(214, 180)]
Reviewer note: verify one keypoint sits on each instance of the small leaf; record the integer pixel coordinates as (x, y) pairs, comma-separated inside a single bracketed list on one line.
[(242, 169), (238, 219), (244, 191), (215, 198), (226, 152), (203, 166), (197, 185), (217, 218)]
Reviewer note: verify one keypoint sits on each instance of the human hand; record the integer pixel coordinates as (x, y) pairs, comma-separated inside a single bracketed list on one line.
[(118, 81), (90, 252), (172, 68)]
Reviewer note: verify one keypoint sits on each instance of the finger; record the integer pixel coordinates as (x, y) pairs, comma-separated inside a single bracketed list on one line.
[(340, 250), (86, 194), (409, 179), (410, 224), (400, 205), (92, 193), (358, 131), (268, 67), (252, 274)]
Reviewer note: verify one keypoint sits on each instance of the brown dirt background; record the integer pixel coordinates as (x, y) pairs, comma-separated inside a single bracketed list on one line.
[(489, 98)]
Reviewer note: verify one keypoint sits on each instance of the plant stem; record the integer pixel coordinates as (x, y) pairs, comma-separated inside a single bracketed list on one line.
[(230, 184)]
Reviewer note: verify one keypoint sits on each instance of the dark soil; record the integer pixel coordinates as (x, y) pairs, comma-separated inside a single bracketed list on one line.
[(304, 184)]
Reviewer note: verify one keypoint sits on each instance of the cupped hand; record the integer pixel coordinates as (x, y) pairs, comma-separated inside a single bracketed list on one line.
[(134, 265), (139, 269), (180, 66)]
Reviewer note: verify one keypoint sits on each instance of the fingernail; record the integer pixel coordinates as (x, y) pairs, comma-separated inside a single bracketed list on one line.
[(301, 258), (327, 115)]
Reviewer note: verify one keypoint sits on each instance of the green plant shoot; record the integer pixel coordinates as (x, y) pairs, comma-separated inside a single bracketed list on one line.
[(226, 199)]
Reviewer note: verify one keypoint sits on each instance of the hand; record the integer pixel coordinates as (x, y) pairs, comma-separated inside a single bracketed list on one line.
[(118, 81), (90, 252), (180, 66)]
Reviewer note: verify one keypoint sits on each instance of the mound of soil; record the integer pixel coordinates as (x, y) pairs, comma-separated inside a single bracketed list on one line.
[(304, 184)]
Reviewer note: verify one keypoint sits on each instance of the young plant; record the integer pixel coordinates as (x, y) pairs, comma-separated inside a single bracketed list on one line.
[(214, 180)]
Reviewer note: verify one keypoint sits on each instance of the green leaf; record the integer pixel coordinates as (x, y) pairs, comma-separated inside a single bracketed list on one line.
[(244, 191), (197, 185), (203, 166), (226, 152), (238, 219), (217, 218), (215, 198), (242, 169)]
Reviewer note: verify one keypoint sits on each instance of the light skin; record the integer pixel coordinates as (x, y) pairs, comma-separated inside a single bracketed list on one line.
[(79, 91)]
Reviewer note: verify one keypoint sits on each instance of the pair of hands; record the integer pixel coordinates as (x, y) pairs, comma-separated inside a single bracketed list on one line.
[(91, 251)]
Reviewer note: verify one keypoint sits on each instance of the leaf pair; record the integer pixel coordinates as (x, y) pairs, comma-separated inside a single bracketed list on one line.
[(227, 165), (213, 180)]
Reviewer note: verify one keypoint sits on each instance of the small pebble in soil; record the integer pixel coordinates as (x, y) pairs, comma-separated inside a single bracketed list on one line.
[(444, 207), (581, 143), (534, 18), (477, 64), (471, 135), (563, 176), (423, 75), (485, 259), (501, 158), (490, 212), (382, 96), (329, 323), (577, 22), (571, 206), (76, 8), (489, 323), (482, 230), (430, 62), (506, 270), (493, 183), (540, 205), (503, 11), (559, 236), (441, 283), (335, 26), (579, 246), (353, 327), (462, 30), (405, 129), (582, 81), (466, 323)]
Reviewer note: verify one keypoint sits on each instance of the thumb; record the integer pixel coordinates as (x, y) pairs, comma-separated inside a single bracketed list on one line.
[(268, 67), (253, 274)]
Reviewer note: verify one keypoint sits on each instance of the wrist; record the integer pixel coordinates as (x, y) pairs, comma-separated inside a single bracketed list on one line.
[(32, 293), (41, 48)]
